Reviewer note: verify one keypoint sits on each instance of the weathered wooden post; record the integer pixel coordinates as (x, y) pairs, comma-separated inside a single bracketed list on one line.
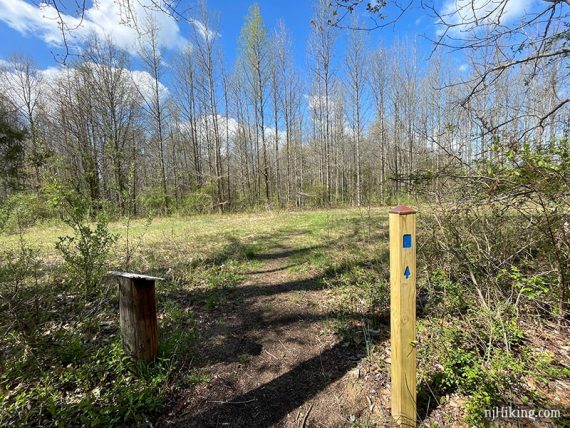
[(137, 311), (403, 314)]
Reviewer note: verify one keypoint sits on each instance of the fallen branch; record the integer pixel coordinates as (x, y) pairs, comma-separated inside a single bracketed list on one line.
[(233, 402), (306, 416)]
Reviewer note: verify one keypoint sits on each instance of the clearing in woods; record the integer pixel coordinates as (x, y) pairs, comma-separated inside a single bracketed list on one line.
[(273, 356), (281, 348), (272, 319)]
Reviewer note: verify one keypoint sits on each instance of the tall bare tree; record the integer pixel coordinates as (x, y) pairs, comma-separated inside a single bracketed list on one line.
[(321, 45), (152, 94), (255, 61), (356, 82)]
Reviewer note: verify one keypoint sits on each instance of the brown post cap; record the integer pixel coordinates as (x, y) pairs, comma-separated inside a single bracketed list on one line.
[(402, 210)]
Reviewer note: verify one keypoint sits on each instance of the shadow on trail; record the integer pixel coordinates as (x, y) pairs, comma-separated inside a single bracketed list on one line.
[(285, 253), (227, 338), (271, 402), (238, 328), (278, 269)]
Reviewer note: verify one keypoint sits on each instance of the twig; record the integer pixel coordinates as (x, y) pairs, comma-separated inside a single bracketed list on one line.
[(307, 415), (233, 402), (269, 353)]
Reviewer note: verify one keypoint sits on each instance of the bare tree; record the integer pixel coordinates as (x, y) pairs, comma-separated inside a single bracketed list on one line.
[(152, 95), (116, 111), (321, 45), (356, 70), (379, 85), (207, 58), (537, 38), (186, 94), (24, 83), (256, 62)]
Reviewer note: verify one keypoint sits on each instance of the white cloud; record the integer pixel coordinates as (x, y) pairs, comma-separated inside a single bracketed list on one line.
[(30, 19), (463, 68), (202, 30), (232, 126), (144, 83), (465, 16), (318, 101), (270, 133), (204, 124), (105, 18), (46, 90)]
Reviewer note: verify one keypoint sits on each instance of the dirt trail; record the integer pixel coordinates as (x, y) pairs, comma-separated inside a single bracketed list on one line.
[(270, 358)]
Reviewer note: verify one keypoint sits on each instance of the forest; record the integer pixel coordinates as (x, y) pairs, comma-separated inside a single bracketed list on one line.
[(259, 191)]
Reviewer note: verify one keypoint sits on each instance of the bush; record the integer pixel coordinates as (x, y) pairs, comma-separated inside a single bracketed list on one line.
[(498, 254), (86, 252), (471, 341), (155, 201), (455, 357), (201, 201), (446, 296), (315, 196), (22, 210)]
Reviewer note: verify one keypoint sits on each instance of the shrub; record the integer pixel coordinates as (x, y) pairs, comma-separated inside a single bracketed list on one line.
[(510, 216), (22, 210), (201, 201), (315, 196), (86, 252), (487, 376), (475, 344), (155, 201)]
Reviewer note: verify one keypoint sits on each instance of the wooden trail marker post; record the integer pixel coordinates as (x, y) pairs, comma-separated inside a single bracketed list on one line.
[(137, 311), (402, 222)]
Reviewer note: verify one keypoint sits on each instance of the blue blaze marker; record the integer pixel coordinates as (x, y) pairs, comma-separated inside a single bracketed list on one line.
[(407, 241), (407, 272)]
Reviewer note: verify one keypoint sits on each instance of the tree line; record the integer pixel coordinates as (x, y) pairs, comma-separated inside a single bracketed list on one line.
[(190, 133)]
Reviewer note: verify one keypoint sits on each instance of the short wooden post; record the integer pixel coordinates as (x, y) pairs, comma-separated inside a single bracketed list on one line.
[(137, 311), (403, 314)]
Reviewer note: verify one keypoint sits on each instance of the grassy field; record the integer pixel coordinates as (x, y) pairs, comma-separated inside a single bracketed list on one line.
[(62, 356), (285, 313), (200, 232)]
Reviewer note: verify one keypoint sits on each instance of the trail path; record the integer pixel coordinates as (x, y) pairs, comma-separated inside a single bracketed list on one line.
[(271, 358)]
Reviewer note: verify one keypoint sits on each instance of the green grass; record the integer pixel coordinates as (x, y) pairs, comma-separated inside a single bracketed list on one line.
[(317, 222), (62, 359), (60, 350)]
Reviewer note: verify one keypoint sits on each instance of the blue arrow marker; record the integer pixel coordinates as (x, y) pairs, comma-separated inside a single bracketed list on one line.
[(407, 272)]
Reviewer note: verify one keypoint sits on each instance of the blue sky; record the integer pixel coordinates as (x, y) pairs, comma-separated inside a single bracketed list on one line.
[(27, 30), (297, 16)]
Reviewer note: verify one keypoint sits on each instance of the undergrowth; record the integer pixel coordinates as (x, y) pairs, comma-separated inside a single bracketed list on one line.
[(61, 362)]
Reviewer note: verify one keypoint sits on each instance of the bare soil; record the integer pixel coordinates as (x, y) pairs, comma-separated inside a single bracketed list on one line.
[(272, 359)]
